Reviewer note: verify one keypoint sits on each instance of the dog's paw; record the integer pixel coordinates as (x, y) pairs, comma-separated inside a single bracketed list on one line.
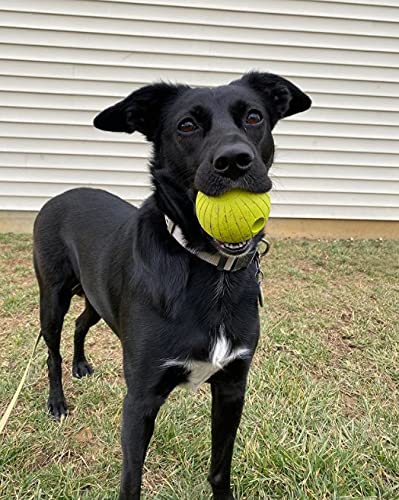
[(58, 408), (223, 495), (81, 369)]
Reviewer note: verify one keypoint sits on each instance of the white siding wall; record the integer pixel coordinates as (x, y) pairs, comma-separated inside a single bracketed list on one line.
[(63, 61)]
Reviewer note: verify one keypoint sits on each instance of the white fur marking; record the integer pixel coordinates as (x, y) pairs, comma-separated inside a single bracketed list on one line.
[(220, 356)]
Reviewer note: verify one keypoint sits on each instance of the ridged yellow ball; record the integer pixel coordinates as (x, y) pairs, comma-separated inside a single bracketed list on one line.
[(234, 216)]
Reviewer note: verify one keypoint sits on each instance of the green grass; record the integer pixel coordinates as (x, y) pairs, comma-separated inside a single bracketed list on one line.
[(322, 413)]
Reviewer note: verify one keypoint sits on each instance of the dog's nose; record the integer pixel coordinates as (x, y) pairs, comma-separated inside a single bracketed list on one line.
[(233, 161)]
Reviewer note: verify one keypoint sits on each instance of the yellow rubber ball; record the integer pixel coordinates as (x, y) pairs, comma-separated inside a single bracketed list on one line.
[(234, 216)]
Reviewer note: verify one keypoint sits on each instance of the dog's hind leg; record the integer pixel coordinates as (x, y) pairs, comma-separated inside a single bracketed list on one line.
[(54, 304), (81, 367)]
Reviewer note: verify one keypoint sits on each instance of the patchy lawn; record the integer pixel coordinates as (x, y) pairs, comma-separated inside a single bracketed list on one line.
[(322, 412)]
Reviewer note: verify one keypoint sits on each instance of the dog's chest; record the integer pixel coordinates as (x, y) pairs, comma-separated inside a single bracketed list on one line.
[(221, 354)]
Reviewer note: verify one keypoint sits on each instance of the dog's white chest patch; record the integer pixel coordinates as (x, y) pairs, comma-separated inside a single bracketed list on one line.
[(220, 356)]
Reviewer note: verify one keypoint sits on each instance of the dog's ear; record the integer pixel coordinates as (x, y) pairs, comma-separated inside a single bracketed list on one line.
[(281, 97), (139, 111)]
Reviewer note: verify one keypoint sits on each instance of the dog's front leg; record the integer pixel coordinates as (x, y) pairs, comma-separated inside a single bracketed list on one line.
[(227, 405), (137, 427)]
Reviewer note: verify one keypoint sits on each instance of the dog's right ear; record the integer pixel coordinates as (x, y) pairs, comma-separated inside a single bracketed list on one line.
[(139, 111)]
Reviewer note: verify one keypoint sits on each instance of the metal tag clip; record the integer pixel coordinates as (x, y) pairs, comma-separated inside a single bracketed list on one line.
[(263, 249)]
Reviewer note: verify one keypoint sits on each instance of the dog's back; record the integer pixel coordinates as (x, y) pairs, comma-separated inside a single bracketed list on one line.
[(84, 211), (80, 221)]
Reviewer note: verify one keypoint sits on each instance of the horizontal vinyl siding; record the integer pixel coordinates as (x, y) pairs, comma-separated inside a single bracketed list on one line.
[(62, 62)]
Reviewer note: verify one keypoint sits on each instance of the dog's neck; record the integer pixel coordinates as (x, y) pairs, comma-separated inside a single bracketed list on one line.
[(178, 205), (222, 262)]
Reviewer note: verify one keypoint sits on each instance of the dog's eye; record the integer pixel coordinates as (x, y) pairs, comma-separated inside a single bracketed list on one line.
[(187, 126), (254, 117)]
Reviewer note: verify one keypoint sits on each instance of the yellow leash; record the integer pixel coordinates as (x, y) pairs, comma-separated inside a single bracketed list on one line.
[(10, 407)]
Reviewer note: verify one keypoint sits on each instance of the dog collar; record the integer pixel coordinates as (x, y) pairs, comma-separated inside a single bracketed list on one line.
[(222, 262)]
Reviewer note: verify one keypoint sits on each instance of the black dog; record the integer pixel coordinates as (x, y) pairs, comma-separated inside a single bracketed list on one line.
[(184, 305)]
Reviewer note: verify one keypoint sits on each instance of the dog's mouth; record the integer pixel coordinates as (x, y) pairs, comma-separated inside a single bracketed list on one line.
[(233, 249)]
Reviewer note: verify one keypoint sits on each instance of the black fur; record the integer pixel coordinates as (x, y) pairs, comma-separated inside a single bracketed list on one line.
[(162, 301)]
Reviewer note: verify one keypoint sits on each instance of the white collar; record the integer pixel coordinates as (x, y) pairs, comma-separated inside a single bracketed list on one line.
[(222, 262)]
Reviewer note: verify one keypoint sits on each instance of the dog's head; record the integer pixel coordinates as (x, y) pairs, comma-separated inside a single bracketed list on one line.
[(207, 139)]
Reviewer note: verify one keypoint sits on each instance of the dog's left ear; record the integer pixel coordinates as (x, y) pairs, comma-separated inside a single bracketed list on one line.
[(281, 97), (139, 111)]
